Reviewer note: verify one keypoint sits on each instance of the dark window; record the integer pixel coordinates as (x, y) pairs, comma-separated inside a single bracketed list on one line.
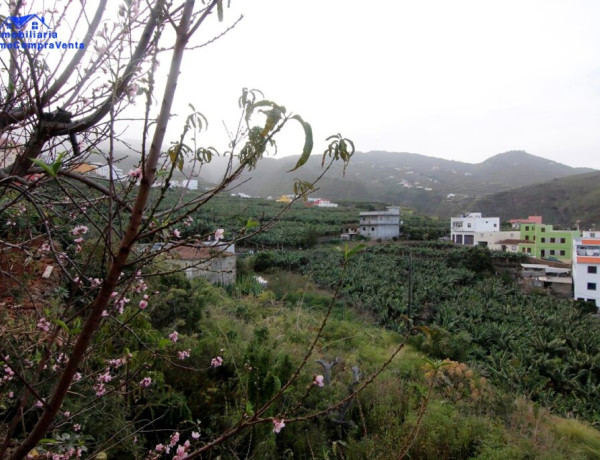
[(495, 225), (543, 240), (526, 228), (526, 237), (552, 252), (528, 250), (562, 252), (591, 286), (592, 269), (543, 229), (553, 240), (372, 229)]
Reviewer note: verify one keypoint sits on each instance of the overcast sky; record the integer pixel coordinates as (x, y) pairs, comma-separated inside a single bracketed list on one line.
[(461, 79)]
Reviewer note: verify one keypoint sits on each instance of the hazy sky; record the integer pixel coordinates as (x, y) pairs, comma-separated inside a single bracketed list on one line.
[(460, 79)]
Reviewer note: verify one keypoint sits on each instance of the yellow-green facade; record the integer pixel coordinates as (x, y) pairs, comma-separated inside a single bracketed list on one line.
[(543, 242)]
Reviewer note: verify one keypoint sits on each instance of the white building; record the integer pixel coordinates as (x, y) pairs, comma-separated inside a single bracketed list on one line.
[(106, 171), (465, 229), (499, 241), (380, 224), (586, 263)]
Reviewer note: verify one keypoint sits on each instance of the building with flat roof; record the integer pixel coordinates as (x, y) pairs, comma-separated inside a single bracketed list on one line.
[(383, 225), (472, 229), (586, 267), (543, 242)]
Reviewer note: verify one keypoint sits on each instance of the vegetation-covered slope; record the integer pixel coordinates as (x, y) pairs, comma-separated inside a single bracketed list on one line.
[(561, 201)]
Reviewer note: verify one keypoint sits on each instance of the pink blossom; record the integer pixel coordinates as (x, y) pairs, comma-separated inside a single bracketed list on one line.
[(11, 394), (195, 435), (132, 90), (184, 354), (100, 389), (77, 377), (77, 428), (78, 240), (104, 313), (278, 424), (318, 381), (143, 304), (219, 234), (174, 439), (176, 233), (174, 336), (43, 324), (105, 378), (180, 453), (216, 362), (145, 382), (79, 230), (135, 173)]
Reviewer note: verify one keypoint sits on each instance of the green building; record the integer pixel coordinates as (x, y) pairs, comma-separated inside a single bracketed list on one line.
[(543, 242)]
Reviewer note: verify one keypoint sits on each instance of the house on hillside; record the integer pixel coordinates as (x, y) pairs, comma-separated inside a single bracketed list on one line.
[(543, 242), (215, 263), (499, 241), (516, 223), (349, 232), (383, 225), (556, 280), (473, 229), (586, 267)]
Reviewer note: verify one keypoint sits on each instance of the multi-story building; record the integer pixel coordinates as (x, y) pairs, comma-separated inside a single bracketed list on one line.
[(586, 267), (472, 229), (543, 242), (383, 225)]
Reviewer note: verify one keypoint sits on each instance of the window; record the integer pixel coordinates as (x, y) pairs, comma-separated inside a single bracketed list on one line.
[(543, 240), (372, 229), (562, 252), (552, 252), (543, 229), (591, 286), (553, 240), (563, 241), (526, 237), (527, 228), (592, 269), (469, 225), (528, 250), (495, 225)]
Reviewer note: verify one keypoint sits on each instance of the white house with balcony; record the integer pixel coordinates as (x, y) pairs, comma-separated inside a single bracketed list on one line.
[(586, 267), (383, 225), (465, 230)]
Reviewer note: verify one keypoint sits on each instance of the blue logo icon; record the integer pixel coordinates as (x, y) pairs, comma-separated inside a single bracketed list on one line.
[(19, 22)]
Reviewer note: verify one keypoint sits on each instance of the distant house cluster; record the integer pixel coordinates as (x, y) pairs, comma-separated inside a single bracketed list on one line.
[(310, 202), (532, 237)]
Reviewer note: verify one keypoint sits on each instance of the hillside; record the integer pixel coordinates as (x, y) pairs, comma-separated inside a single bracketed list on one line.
[(561, 201), (412, 180)]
